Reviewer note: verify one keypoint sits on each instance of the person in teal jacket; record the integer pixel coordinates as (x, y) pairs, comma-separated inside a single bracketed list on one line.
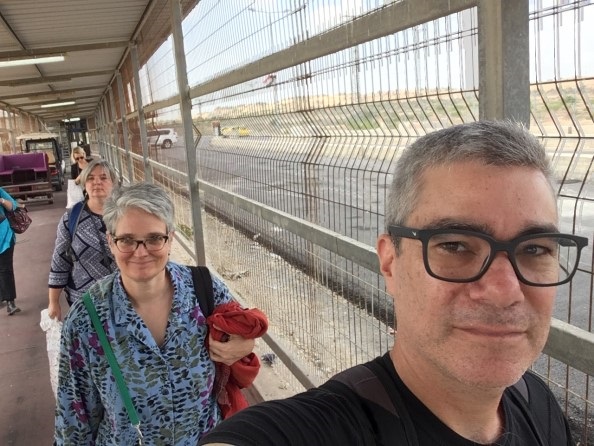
[(7, 241)]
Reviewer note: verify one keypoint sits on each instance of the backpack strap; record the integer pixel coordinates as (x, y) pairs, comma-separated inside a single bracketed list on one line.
[(536, 405), (366, 384), (522, 388), (203, 289), (74, 218), (367, 381)]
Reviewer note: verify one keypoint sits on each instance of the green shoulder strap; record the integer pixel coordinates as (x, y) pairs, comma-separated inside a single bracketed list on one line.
[(113, 363)]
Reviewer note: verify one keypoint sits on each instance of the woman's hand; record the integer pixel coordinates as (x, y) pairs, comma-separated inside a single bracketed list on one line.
[(230, 351), (54, 310)]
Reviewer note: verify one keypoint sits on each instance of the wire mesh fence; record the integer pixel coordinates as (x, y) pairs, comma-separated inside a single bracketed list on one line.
[(317, 139)]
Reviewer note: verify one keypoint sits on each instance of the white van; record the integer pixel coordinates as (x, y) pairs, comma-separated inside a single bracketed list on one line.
[(165, 138)]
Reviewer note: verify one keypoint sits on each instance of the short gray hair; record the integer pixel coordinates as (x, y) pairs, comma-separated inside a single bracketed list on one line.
[(148, 197), (106, 168), (496, 143)]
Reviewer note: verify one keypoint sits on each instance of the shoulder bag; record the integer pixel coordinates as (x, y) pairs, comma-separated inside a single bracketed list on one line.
[(19, 219)]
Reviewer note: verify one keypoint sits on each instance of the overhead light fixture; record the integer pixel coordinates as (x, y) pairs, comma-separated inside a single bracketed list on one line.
[(58, 104), (17, 61), (71, 120)]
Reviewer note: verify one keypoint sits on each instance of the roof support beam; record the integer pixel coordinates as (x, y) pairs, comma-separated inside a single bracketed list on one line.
[(50, 93), (65, 49), (50, 79)]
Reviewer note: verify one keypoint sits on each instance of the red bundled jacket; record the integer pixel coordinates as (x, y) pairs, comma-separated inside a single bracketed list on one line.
[(251, 323)]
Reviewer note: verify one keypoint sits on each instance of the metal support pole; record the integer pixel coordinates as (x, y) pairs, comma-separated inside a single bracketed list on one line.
[(504, 76), (124, 124), (108, 139), (116, 139), (186, 115), (106, 131), (100, 135), (15, 129), (103, 147), (148, 170), (11, 130), (94, 136)]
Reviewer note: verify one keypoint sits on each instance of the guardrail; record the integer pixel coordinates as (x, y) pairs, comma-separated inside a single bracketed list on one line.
[(567, 343)]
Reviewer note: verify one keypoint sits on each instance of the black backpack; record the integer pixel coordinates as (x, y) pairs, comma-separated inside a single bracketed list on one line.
[(203, 289)]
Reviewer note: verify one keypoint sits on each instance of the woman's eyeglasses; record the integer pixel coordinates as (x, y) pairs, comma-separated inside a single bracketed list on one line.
[(128, 244)]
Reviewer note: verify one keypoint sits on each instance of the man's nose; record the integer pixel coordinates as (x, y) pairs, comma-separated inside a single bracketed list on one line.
[(500, 283)]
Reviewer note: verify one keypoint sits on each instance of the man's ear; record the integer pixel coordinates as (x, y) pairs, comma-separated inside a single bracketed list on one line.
[(386, 253)]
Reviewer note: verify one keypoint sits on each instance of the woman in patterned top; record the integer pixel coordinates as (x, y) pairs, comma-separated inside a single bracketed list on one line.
[(80, 259), (157, 331)]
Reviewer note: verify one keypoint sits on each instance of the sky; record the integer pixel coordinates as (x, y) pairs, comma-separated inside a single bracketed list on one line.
[(221, 36)]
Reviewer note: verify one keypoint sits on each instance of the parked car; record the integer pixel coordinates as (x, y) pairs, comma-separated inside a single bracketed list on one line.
[(235, 131), (166, 138), (47, 143)]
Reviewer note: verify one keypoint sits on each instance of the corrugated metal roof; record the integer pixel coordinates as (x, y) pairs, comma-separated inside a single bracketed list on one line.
[(93, 34)]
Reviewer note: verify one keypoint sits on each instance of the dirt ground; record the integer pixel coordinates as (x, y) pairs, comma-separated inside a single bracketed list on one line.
[(318, 329)]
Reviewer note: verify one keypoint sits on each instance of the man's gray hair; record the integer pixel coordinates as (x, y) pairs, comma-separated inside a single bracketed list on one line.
[(496, 143), (147, 197)]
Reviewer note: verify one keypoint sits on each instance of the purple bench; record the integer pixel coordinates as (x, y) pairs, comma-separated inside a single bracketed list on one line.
[(26, 175), (35, 161)]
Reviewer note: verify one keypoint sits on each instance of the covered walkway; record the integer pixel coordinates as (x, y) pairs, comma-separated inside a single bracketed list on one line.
[(26, 400)]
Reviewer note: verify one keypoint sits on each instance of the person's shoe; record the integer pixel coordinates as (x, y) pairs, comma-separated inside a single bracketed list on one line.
[(11, 308)]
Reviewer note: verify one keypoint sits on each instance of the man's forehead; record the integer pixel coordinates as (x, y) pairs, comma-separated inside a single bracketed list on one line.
[(480, 195)]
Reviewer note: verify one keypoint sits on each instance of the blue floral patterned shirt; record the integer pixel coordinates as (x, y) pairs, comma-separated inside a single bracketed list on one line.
[(170, 385)]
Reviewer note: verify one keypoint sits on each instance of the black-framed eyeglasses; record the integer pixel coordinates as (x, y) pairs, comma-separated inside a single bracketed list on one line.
[(459, 255), (127, 245)]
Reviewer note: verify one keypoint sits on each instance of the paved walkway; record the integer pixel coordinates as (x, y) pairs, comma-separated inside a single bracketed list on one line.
[(26, 400)]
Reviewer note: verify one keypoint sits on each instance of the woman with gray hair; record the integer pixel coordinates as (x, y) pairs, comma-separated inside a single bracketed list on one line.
[(81, 255), (157, 331)]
